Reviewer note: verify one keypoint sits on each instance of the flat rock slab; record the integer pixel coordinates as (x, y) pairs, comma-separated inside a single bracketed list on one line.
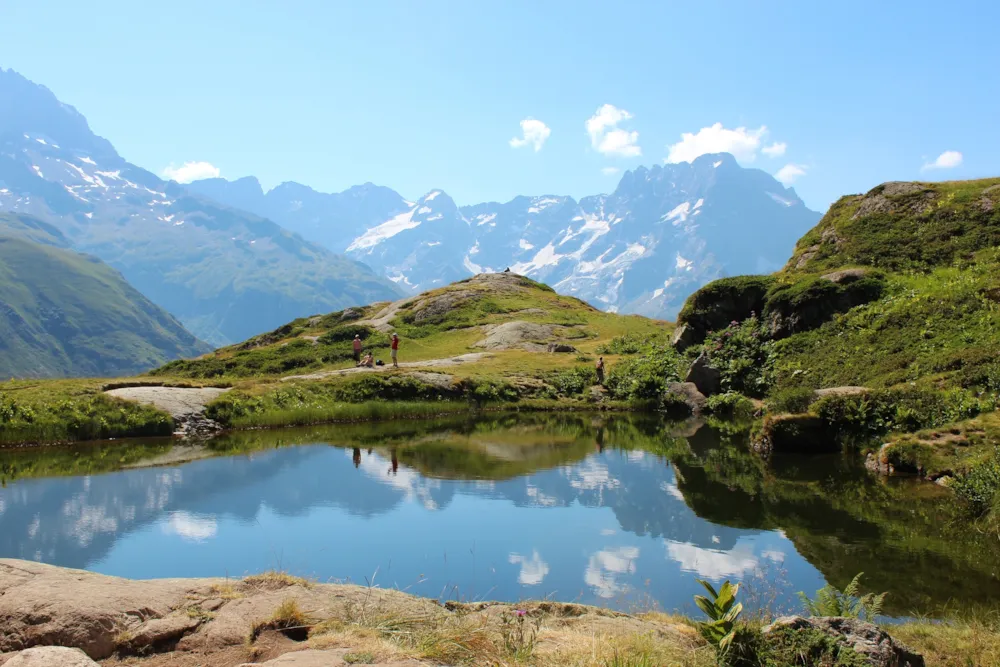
[(49, 656), (43, 605), (178, 401), (426, 363)]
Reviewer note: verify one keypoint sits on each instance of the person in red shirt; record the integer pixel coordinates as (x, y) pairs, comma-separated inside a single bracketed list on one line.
[(357, 349), (394, 352)]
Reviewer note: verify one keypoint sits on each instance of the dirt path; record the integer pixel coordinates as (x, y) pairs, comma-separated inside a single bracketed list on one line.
[(426, 363)]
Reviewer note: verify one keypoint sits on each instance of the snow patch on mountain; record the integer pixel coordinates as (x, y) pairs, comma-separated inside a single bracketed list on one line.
[(385, 231)]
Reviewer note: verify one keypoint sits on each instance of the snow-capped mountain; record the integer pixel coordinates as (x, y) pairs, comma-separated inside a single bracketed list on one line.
[(225, 274), (644, 248)]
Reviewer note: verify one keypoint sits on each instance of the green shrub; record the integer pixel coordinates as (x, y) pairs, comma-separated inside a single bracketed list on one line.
[(742, 353), (849, 603), (347, 332), (878, 412), (92, 417), (488, 390), (624, 344), (642, 377), (979, 488), (806, 647), (794, 400), (572, 381), (730, 404)]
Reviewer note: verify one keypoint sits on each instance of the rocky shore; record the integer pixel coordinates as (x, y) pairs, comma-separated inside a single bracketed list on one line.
[(58, 617)]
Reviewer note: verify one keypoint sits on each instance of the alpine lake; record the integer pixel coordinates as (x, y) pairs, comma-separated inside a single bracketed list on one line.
[(614, 510)]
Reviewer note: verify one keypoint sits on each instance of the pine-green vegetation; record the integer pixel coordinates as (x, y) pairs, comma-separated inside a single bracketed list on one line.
[(67, 314)]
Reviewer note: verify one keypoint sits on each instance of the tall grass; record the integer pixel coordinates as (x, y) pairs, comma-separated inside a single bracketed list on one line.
[(349, 412)]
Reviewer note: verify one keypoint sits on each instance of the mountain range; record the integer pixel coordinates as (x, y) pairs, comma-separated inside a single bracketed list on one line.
[(643, 249), (63, 313), (225, 274)]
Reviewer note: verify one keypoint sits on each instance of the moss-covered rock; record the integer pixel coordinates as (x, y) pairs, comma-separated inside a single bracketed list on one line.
[(802, 433), (722, 302)]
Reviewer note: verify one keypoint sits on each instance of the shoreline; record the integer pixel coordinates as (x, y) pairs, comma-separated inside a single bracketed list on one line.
[(274, 616)]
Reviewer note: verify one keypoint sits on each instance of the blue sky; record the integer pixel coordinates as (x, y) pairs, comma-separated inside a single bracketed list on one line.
[(424, 95)]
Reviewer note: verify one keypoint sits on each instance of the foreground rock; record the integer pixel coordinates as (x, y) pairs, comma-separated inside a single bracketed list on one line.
[(49, 656), (704, 376), (274, 619), (874, 645)]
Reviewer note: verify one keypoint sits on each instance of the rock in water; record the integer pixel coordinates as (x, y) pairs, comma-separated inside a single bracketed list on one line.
[(865, 639), (706, 378), (50, 656)]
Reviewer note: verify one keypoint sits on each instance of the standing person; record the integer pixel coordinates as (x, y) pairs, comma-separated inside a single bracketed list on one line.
[(394, 351), (357, 348), (600, 371)]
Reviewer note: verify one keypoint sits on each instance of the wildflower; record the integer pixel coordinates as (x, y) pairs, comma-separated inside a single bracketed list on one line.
[(521, 612)]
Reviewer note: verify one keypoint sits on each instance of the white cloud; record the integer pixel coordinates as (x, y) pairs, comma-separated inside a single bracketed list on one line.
[(777, 149), (947, 160), (606, 567), (712, 564), (534, 133), (607, 138), (191, 171), (533, 570), (610, 171), (741, 142), (790, 173), (191, 527)]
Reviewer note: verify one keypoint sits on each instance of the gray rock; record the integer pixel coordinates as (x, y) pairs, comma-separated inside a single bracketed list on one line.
[(841, 391), (866, 639), (683, 338), (845, 276), (561, 347), (706, 378), (689, 392), (50, 656)]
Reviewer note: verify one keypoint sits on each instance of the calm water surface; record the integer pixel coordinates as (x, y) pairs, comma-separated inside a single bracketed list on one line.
[(605, 510)]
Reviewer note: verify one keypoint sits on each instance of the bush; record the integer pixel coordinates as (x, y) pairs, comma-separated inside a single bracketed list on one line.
[(625, 344), (979, 488), (875, 413), (347, 332), (794, 400), (720, 302), (486, 390), (572, 381), (642, 378), (730, 404), (743, 355)]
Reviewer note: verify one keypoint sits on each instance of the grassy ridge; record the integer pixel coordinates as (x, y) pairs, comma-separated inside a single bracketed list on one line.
[(67, 314)]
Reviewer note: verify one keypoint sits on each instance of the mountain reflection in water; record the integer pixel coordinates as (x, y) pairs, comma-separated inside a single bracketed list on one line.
[(610, 510)]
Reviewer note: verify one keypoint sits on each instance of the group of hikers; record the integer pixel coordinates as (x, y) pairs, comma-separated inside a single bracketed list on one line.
[(369, 360)]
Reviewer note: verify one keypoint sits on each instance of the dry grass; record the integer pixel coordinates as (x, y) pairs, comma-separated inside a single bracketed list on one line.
[(971, 642), (227, 591), (275, 580)]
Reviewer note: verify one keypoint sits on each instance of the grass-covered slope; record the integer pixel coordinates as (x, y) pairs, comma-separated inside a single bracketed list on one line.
[(517, 339), (67, 314), (901, 284)]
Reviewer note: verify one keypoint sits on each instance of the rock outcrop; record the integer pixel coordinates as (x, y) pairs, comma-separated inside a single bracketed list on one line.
[(867, 640), (49, 656), (704, 376)]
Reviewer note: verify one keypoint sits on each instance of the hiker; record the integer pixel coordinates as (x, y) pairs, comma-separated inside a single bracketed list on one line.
[(357, 348), (600, 371), (394, 351), (368, 361)]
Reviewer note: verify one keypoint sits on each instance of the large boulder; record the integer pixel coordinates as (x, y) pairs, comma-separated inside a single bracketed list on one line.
[(704, 376), (716, 305), (50, 656), (867, 640), (684, 337), (689, 393), (43, 605)]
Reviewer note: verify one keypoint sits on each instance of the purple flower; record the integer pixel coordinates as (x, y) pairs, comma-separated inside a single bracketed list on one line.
[(521, 612)]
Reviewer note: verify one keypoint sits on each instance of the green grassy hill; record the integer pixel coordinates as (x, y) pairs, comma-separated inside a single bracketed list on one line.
[(898, 285), (67, 314)]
